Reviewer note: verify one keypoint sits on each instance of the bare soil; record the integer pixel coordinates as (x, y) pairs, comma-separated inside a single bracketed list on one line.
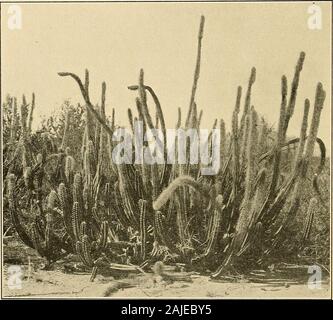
[(67, 280)]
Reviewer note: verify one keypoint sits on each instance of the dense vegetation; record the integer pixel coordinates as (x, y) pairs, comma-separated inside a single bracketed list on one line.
[(64, 194)]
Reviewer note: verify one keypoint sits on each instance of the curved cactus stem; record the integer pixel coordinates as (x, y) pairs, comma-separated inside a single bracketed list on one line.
[(23, 234), (37, 242), (93, 273), (179, 182)]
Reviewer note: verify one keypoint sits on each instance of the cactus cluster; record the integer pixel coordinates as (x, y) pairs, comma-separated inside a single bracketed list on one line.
[(139, 212), (28, 169)]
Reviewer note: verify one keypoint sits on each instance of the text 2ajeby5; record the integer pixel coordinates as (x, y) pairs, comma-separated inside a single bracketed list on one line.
[(187, 309)]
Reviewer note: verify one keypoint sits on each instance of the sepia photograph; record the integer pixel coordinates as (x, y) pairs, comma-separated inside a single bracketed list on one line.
[(166, 150)]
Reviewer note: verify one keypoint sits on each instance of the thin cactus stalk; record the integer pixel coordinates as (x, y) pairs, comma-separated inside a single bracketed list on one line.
[(162, 234), (245, 217), (302, 138), (280, 137), (318, 106), (293, 94), (32, 107), (309, 219), (214, 228), (143, 227), (65, 134), (196, 71)]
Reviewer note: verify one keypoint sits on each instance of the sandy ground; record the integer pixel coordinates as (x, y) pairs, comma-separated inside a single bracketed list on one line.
[(58, 284), (64, 282)]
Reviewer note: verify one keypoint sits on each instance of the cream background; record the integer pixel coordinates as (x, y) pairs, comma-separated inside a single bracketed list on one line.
[(115, 40)]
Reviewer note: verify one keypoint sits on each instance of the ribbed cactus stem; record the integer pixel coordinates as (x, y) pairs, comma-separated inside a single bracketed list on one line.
[(252, 79), (37, 242), (250, 156), (254, 132), (309, 219), (234, 141), (48, 232), (24, 236), (247, 103), (62, 193), (24, 116), (181, 218), (79, 251), (65, 134), (280, 137), (262, 138), (69, 167), (11, 182), (260, 194), (66, 207), (199, 119), (103, 237), (143, 227), (311, 140), (52, 200), (223, 142), (245, 139), (78, 190), (102, 135), (159, 113), (318, 106), (245, 216), (293, 94), (162, 234), (130, 118), (32, 107), (14, 122), (75, 221), (86, 251), (179, 118), (91, 163), (83, 229), (196, 71), (302, 136), (103, 100), (143, 100), (283, 114), (215, 228)]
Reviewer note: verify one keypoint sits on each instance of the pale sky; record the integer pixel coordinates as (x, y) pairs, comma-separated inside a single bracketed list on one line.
[(115, 40)]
